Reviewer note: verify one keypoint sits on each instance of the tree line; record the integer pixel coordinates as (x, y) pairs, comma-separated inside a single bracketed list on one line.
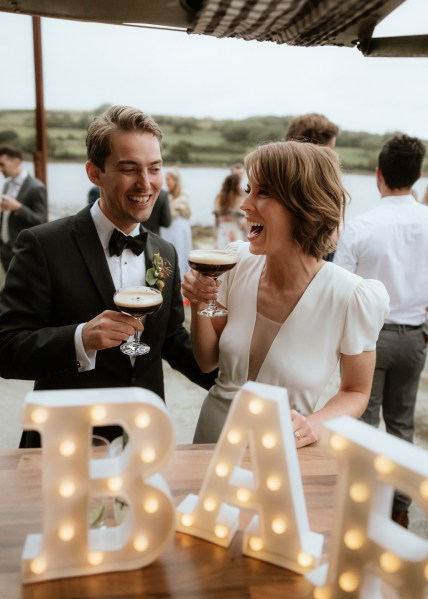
[(187, 140)]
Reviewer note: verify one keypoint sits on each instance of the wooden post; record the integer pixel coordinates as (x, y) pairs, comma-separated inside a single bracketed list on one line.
[(40, 154)]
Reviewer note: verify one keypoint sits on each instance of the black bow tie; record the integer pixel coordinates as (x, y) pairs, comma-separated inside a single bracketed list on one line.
[(118, 242)]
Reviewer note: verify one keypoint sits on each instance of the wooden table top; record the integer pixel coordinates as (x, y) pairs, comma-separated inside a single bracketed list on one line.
[(189, 568)]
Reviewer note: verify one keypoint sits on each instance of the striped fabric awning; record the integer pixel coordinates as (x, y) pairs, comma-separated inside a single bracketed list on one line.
[(293, 22)]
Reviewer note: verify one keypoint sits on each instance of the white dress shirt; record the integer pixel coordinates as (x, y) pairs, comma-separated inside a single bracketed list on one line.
[(390, 243), (12, 187), (127, 269)]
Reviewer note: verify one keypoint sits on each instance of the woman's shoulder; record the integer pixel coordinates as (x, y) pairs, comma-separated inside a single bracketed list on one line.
[(361, 291)]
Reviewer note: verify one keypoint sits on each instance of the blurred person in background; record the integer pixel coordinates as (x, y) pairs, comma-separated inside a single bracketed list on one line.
[(229, 218), (24, 201), (179, 233)]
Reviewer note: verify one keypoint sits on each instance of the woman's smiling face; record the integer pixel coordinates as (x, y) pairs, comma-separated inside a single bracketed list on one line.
[(270, 224)]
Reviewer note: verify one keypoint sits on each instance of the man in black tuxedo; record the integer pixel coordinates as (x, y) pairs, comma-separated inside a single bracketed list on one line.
[(23, 202), (58, 322)]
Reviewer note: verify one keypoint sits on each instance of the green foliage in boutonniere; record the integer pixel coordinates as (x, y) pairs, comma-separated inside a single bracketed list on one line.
[(159, 272)]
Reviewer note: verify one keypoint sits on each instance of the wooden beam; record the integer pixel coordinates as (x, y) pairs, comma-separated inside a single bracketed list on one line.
[(40, 154)]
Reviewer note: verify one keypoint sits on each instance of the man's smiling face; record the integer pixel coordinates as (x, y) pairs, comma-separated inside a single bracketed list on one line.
[(131, 180)]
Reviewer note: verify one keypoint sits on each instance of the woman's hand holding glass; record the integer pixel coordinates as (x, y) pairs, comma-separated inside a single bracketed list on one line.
[(212, 264), (198, 288)]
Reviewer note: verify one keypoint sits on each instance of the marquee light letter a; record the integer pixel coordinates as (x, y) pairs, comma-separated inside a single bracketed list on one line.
[(279, 532)]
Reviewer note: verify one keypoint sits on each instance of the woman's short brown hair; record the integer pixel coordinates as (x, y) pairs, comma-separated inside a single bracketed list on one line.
[(114, 119), (306, 179)]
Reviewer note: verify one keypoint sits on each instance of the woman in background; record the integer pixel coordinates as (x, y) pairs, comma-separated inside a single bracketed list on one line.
[(179, 233), (230, 220)]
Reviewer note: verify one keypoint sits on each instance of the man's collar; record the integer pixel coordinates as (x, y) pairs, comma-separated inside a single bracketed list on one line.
[(105, 227)]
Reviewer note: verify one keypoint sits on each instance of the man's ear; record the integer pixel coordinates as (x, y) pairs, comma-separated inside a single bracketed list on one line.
[(379, 176), (93, 173)]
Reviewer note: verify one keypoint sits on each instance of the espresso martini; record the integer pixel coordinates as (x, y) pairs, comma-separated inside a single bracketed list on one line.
[(137, 301), (212, 263)]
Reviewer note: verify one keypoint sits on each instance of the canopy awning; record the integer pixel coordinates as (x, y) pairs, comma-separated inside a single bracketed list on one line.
[(347, 23)]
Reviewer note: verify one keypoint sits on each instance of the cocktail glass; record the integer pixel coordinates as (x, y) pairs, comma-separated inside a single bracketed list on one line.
[(212, 263), (137, 301)]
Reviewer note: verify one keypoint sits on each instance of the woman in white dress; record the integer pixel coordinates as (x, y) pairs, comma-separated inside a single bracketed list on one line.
[(292, 316), (229, 218), (179, 233)]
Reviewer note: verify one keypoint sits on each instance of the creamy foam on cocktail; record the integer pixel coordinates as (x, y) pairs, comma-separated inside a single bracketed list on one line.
[(138, 299), (212, 257)]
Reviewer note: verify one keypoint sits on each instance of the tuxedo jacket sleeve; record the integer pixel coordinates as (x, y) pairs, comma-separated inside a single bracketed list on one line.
[(34, 209), (59, 278)]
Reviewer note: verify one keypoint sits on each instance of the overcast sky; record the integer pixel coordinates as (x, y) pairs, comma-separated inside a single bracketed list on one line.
[(172, 73)]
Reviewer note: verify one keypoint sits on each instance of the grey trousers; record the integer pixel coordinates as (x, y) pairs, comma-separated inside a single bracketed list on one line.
[(400, 359)]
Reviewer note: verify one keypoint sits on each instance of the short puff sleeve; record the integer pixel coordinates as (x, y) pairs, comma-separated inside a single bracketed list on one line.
[(367, 310)]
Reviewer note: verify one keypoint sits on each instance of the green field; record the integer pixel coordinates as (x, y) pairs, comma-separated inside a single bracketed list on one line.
[(205, 142)]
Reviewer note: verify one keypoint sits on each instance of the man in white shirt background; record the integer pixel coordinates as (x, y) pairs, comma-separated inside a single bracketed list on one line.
[(23, 203), (390, 243)]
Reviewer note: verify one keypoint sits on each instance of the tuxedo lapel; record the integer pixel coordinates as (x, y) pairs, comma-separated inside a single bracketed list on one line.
[(87, 240), (152, 246), (26, 184)]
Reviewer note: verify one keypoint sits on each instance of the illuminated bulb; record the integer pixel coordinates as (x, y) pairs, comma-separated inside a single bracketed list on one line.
[(353, 538), (38, 565), (221, 531), (256, 543), (243, 495), (269, 441), (279, 526), (383, 465), (66, 532), (423, 489), (187, 520), (359, 492), (389, 562), (234, 437), (39, 415), (273, 483), (210, 504), (98, 413), (67, 488), (322, 593), (67, 448), (115, 483), (95, 558), (148, 455), (338, 442), (348, 582), (305, 559), (255, 406), (222, 469), (151, 505), (141, 543), (142, 420)]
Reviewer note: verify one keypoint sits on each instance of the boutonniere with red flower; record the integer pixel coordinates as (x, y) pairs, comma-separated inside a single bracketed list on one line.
[(159, 272)]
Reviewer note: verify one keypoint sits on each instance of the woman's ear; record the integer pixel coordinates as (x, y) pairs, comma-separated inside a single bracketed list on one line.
[(93, 173)]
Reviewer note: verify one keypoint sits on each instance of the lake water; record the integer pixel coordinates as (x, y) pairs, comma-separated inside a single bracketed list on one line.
[(68, 188)]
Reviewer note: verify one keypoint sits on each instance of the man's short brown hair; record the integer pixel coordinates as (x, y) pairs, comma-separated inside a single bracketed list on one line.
[(313, 128), (116, 119)]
